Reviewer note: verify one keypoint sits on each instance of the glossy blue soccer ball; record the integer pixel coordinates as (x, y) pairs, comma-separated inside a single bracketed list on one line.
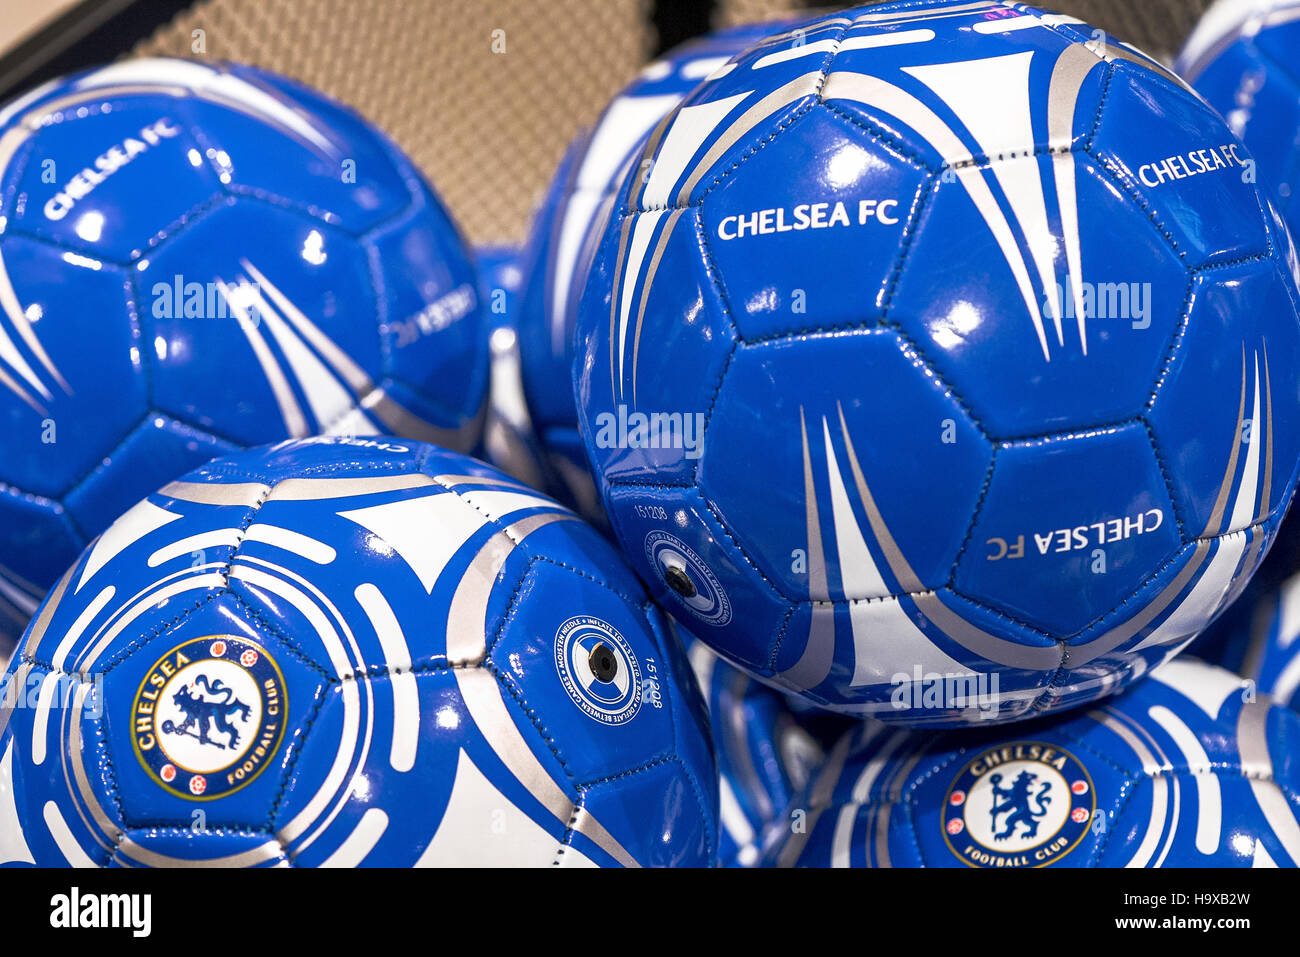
[(1244, 58), (500, 278), (509, 440), (195, 258), (1259, 639), (558, 253), (940, 369), (352, 651), (1187, 769), (766, 752)]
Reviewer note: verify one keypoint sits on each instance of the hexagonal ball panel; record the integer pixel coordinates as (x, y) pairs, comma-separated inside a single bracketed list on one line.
[(1032, 351), (656, 343), (817, 250), (1070, 527), (287, 351), (71, 375), (1187, 168), (842, 465), (1225, 418), (111, 176)]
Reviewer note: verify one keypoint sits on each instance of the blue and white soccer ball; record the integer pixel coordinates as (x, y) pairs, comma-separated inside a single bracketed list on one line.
[(1244, 58), (558, 253), (509, 441), (195, 258), (1259, 639), (500, 279), (1186, 769), (352, 651), (766, 752), (940, 367)]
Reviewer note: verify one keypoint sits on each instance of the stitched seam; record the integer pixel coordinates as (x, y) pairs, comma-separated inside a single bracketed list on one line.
[(720, 175), (1174, 345), (1168, 481), (976, 512), (718, 523), (191, 217), (214, 594), (1106, 169), (490, 642), (782, 630), (139, 428), (567, 840), (507, 683), (286, 779), (646, 765), (911, 229), (110, 774), (724, 304), (495, 523), (880, 135), (272, 629), (547, 560)]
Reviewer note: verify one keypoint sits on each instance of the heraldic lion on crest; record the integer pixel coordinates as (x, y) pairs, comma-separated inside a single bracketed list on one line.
[(210, 713), (1022, 805)]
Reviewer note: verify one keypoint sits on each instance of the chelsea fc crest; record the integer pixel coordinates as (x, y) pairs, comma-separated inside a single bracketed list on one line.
[(209, 716), (1024, 804)]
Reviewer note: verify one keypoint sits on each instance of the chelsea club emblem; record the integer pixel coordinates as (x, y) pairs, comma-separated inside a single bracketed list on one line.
[(209, 716), (1024, 804)]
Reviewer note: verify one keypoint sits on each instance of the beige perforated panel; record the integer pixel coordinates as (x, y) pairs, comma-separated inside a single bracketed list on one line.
[(489, 127), (731, 12)]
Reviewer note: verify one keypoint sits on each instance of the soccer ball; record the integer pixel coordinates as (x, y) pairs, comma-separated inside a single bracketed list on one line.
[(195, 258), (766, 753), (1242, 59), (1186, 769), (499, 281), (352, 651), (557, 256), (939, 369), (1258, 639), (509, 441)]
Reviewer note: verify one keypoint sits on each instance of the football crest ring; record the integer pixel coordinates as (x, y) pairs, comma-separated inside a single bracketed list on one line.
[(598, 669), (692, 582), (1023, 804), (209, 716)]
